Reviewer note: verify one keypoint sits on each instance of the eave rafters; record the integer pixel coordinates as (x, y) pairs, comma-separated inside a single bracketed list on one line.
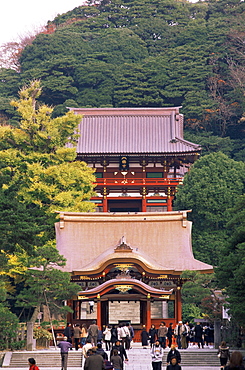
[(109, 285)]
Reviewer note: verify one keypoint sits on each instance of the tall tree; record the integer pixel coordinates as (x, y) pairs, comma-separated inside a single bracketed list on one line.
[(35, 162), (210, 189), (231, 270), (38, 175), (44, 283)]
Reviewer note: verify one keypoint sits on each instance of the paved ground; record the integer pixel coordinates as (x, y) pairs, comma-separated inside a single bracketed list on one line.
[(139, 359)]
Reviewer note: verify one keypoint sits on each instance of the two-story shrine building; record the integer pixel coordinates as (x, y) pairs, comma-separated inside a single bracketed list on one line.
[(129, 255)]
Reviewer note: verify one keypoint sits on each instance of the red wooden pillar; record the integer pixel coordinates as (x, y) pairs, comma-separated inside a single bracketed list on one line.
[(169, 200), (148, 312), (99, 311), (178, 305), (143, 192), (105, 200)]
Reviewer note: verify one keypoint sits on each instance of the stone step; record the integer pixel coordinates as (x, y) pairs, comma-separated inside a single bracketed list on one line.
[(196, 358), (45, 359), (189, 358)]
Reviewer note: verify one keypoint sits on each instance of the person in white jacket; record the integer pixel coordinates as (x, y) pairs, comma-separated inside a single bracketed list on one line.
[(156, 354), (107, 337)]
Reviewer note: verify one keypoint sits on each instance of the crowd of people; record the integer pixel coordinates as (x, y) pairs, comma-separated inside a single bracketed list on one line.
[(117, 340), (185, 334)]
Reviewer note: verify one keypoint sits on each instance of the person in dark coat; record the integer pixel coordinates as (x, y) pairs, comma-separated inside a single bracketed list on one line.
[(116, 360), (101, 352), (198, 335), (223, 354), (170, 334), (121, 351), (68, 333), (173, 353), (235, 361), (77, 335), (114, 336), (144, 337), (174, 365), (152, 334), (94, 361)]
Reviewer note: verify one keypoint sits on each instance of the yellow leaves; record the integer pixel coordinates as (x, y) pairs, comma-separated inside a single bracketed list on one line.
[(44, 168), (9, 158), (17, 264), (10, 136), (44, 133), (66, 154), (59, 186), (33, 89)]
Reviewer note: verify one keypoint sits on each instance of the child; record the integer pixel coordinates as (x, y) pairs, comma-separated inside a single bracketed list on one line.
[(32, 364), (116, 360)]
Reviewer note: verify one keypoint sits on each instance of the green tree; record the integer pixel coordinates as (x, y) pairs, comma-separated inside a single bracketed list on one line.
[(38, 175), (8, 328), (210, 189), (199, 297), (35, 162), (45, 283), (231, 270)]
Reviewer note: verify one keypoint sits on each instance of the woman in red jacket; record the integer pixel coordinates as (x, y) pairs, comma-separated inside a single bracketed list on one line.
[(32, 364)]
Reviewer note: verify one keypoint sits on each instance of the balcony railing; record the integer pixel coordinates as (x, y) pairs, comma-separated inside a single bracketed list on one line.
[(131, 181)]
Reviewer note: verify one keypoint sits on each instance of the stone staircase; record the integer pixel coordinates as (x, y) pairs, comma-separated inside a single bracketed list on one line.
[(197, 358), (43, 358)]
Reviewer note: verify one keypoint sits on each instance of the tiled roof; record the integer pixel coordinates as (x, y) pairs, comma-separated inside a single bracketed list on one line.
[(132, 131)]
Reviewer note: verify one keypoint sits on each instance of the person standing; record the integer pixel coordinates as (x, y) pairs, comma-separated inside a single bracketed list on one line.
[(93, 332), (198, 335), (64, 348), (162, 334), (129, 336), (170, 334), (185, 336), (223, 354), (114, 335), (32, 364), (91, 306), (144, 337), (107, 337), (68, 333), (178, 332), (131, 330), (173, 365), (94, 361), (77, 335), (156, 354), (84, 334), (173, 353), (152, 334)]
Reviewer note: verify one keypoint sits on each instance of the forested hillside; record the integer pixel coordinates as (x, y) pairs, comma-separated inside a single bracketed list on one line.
[(142, 53), (124, 53)]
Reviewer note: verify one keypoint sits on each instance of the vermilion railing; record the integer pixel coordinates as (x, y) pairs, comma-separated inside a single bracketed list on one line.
[(130, 181)]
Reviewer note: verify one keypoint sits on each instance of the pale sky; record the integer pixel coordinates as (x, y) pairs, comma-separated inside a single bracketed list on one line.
[(21, 17)]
